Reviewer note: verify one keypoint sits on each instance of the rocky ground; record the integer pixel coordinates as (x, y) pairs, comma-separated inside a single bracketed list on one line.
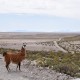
[(71, 46), (30, 72)]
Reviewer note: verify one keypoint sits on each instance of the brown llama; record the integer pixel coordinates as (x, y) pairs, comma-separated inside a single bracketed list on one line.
[(15, 58)]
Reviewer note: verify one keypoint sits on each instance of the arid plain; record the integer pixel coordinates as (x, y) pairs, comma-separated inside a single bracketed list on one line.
[(36, 41), (64, 42)]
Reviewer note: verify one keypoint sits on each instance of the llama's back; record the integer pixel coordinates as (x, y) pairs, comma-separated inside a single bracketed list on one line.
[(13, 57)]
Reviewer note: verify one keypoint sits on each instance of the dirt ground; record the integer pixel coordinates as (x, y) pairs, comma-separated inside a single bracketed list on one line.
[(29, 72)]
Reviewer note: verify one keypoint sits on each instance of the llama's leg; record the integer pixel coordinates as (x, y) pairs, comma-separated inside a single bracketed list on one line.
[(19, 64), (7, 66)]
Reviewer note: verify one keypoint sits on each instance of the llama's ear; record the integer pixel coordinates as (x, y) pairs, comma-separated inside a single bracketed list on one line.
[(24, 43)]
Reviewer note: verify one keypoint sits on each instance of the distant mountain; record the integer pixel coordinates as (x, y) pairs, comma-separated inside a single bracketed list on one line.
[(25, 35)]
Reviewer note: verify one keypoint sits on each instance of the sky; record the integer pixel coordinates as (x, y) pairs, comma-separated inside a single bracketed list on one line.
[(39, 15)]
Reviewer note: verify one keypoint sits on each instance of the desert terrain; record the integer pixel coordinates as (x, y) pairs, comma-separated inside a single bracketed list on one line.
[(37, 42)]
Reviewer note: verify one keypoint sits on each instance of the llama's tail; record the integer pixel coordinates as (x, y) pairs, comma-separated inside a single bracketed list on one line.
[(5, 53)]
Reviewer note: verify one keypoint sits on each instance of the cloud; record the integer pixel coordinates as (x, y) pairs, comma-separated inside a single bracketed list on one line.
[(61, 8)]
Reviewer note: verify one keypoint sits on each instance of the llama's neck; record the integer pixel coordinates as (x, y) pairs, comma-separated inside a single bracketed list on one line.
[(22, 51)]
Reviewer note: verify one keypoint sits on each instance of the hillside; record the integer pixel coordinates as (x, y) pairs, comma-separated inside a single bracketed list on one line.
[(73, 38)]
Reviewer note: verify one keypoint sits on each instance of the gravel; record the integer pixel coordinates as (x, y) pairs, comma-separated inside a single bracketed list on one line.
[(29, 72)]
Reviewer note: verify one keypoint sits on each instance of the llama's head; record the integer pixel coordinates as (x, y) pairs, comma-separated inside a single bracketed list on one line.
[(24, 45), (23, 49)]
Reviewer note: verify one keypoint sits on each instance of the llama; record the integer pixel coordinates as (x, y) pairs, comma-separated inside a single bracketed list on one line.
[(15, 58)]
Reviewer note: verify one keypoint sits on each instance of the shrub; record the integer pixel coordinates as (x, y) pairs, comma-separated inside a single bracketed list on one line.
[(65, 63), (69, 69)]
